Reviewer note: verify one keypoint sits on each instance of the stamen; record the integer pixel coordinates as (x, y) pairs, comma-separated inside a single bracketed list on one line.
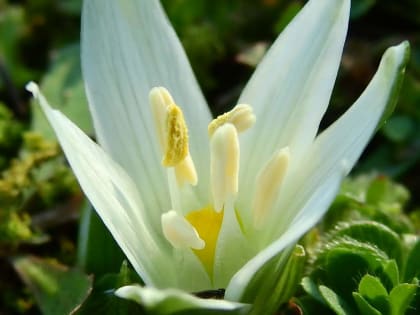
[(185, 172), (241, 116), (268, 184), (224, 164), (179, 232), (172, 133)]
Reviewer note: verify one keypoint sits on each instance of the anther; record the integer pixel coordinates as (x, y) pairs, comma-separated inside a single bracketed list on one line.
[(179, 232), (268, 184), (241, 116), (172, 133), (224, 164)]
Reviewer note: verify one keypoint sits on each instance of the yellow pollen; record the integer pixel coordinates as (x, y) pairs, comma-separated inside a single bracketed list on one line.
[(241, 116), (176, 148), (207, 222)]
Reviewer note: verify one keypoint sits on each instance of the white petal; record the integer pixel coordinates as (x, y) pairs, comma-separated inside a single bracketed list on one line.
[(341, 144), (332, 155), (171, 301), (233, 250), (291, 88), (114, 196), (128, 47), (345, 139), (309, 215)]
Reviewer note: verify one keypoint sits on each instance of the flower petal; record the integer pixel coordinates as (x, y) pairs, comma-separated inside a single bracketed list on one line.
[(345, 139), (128, 47), (243, 282), (291, 88), (332, 156), (114, 196), (171, 301), (340, 145)]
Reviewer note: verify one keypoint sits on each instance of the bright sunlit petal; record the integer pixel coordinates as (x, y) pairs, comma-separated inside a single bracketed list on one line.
[(120, 69), (113, 195), (291, 88)]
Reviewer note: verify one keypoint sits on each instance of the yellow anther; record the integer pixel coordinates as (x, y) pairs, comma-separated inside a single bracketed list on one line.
[(176, 148), (170, 126), (241, 116), (179, 232), (224, 164), (207, 222), (268, 184)]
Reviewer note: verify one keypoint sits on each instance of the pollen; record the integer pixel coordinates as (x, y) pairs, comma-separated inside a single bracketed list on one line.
[(241, 116), (176, 149), (172, 133), (207, 223)]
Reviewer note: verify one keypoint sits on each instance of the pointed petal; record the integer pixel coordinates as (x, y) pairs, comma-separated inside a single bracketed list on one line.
[(332, 155), (113, 195), (128, 47), (243, 282), (171, 301), (340, 145), (346, 138), (291, 88)]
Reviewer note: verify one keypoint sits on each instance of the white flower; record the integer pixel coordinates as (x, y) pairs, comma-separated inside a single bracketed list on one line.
[(194, 209)]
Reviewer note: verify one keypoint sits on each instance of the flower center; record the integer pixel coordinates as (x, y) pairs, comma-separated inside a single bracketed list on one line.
[(199, 229), (207, 223)]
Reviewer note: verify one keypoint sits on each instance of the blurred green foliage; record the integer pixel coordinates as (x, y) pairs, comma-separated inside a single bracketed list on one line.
[(224, 40), (364, 255)]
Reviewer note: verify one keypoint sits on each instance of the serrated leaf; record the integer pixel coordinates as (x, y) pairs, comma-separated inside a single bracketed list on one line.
[(356, 258), (373, 291), (374, 233), (364, 307), (337, 304), (58, 290), (401, 296)]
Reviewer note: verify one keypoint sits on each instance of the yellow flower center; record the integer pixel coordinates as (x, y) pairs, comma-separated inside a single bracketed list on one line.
[(207, 222)]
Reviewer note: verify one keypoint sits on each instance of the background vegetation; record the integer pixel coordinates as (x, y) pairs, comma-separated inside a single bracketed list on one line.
[(40, 201)]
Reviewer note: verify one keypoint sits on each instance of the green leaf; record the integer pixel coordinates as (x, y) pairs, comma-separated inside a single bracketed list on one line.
[(401, 296), (63, 87), (288, 276), (390, 271), (364, 307), (360, 7), (356, 258), (98, 253), (337, 304), (103, 299), (374, 233), (57, 289), (373, 291), (312, 289), (399, 128), (412, 268)]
